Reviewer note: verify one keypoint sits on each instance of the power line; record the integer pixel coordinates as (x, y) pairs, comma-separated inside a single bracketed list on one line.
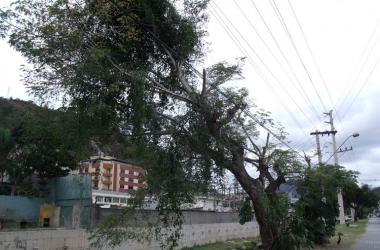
[(282, 21), (364, 55), (263, 63), (302, 92), (286, 59), (241, 47), (311, 52), (362, 87), (254, 66)]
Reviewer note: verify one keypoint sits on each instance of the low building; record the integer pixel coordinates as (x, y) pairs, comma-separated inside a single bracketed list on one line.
[(114, 181), (111, 174), (108, 199), (290, 191)]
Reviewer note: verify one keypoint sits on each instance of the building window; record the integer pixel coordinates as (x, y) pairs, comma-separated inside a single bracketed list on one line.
[(121, 178), (86, 170), (107, 199), (131, 172), (122, 171), (123, 200), (99, 199), (115, 200), (122, 186), (136, 173), (130, 187), (97, 170)]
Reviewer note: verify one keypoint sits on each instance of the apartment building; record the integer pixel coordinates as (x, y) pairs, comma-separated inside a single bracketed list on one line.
[(111, 174)]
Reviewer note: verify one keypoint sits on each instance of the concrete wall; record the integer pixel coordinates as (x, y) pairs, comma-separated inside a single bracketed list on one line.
[(48, 239), (73, 195), (190, 217), (75, 239), (16, 209)]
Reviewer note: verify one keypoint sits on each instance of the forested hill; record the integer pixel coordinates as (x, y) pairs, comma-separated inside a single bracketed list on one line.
[(65, 125), (11, 110)]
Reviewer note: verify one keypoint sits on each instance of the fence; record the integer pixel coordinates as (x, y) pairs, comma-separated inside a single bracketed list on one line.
[(200, 228), (71, 195)]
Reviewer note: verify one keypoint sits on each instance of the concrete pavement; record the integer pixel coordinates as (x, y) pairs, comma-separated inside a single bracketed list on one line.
[(371, 239)]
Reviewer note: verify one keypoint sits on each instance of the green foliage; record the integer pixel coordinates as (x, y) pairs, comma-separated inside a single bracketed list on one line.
[(246, 212), (363, 199), (127, 65), (291, 232), (318, 205), (38, 141)]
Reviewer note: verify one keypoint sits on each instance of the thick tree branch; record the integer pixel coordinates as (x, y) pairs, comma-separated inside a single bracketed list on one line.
[(273, 186), (158, 85), (251, 141), (252, 161)]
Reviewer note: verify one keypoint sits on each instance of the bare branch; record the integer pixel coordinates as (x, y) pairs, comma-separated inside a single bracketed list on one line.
[(184, 83), (252, 161), (274, 185), (204, 83), (250, 140), (158, 86)]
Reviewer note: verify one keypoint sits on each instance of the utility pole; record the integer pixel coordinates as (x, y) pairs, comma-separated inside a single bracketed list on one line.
[(319, 153), (342, 219), (322, 133)]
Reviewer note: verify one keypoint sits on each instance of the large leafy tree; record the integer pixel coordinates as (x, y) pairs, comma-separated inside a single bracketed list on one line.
[(39, 141), (318, 205), (130, 64), (362, 199)]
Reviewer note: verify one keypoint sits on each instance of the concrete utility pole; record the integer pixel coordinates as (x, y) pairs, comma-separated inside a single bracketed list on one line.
[(319, 152), (342, 219), (317, 134)]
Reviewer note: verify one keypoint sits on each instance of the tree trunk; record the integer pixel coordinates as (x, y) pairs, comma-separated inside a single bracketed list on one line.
[(253, 187), (13, 189), (256, 192), (262, 218), (356, 218)]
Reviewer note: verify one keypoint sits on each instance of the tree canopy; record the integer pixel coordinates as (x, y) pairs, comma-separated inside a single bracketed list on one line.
[(130, 66)]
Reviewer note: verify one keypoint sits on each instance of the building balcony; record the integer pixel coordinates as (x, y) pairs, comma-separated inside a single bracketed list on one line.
[(106, 182), (106, 174), (107, 165)]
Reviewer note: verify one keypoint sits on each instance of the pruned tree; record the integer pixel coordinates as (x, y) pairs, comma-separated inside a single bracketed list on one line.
[(362, 199), (130, 63)]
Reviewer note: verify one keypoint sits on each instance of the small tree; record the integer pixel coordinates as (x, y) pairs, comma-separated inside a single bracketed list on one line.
[(318, 205), (362, 199)]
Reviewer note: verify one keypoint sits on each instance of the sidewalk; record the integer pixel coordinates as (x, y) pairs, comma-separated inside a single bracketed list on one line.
[(371, 239)]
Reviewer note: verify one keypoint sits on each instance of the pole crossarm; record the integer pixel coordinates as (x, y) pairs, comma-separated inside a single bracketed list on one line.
[(344, 150), (326, 132)]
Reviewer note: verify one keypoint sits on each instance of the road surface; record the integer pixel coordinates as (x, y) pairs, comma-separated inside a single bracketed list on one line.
[(371, 239)]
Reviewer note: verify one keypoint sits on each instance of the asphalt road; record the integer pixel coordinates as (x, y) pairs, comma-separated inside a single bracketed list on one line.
[(371, 239)]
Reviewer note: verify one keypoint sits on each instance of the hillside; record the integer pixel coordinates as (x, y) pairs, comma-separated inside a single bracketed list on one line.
[(11, 110)]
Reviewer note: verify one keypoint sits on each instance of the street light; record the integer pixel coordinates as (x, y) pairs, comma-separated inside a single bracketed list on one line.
[(353, 135)]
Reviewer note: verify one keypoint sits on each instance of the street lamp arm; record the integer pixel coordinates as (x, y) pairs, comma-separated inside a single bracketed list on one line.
[(353, 135)]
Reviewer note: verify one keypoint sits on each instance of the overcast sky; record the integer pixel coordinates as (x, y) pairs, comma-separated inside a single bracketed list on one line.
[(286, 78)]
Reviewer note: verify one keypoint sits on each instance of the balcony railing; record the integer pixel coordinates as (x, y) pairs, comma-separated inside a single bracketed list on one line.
[(106, 182), (107, 165), (106, 174)]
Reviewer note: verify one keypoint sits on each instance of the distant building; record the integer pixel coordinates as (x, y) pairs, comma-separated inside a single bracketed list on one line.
[(106, 199), (111, 174), (290, 191), (114, 181)]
